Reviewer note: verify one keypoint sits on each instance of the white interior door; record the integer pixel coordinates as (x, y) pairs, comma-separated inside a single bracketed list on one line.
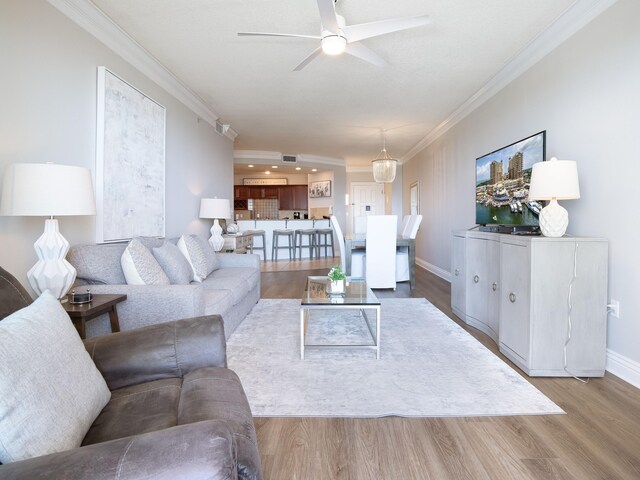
[(367, 199)]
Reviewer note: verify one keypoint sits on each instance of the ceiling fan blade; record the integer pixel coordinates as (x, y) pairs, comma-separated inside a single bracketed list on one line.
[(307, 60), (361, 31), (364, 53), (328, 15), (262, 34)]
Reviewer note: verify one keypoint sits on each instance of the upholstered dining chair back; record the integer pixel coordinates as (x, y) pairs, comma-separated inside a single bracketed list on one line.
[(360, 224), (340, 238), (357, 257), (404, 227), (403, 269), (380, 258), (13, 295)]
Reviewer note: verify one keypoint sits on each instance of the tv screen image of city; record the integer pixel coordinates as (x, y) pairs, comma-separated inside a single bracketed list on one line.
[(502, 183)]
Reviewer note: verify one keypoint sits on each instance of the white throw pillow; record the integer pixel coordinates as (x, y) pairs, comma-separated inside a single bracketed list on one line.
[(140, 266), (50, 389), (192, 250)]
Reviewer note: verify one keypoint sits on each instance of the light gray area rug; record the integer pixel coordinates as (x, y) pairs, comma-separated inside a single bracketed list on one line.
[(428, 367)]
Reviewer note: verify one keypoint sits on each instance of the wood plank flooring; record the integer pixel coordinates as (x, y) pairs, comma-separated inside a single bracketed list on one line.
[(599, 438)]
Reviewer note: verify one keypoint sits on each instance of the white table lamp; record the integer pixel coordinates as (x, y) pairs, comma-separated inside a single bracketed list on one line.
[(215, 208), (554, 180), (48, 190)]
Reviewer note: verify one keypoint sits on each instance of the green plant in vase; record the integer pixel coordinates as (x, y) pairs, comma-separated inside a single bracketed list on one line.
[(337, 278)]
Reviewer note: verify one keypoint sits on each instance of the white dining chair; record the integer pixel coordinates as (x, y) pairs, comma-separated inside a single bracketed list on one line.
[(403, 269), (380, 257), (357, 256), (405, 224)]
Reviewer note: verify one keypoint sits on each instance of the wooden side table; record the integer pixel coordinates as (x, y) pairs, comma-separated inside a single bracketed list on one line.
[(99, 304)]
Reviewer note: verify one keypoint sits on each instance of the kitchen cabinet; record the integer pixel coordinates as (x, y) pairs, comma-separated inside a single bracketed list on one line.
[(300, 197), (285, 198)]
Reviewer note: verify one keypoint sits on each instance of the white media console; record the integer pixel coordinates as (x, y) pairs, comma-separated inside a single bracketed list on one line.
[(517, 290)]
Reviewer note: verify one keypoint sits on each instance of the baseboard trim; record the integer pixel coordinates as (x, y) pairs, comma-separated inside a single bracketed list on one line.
[(440, 272), (623, 367)]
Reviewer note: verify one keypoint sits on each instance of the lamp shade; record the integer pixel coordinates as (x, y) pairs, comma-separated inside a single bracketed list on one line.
[(46, 190), (554, 179), (215, 208)]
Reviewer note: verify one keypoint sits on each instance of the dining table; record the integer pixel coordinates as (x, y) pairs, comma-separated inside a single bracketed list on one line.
[(359, 240)]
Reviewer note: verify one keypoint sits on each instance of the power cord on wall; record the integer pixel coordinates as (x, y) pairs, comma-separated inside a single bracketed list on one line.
[(573, 278)]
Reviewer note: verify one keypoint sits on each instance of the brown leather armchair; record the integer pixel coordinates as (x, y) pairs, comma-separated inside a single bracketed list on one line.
[(176, 411)]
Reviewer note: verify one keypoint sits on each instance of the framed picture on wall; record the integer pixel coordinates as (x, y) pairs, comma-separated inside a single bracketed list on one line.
[(320, 189), (414, 198), (130, 154)]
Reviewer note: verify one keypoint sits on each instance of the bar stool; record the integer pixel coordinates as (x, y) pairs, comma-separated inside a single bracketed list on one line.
[(324, 239), (282, 232), (254, 234), (310, 233)]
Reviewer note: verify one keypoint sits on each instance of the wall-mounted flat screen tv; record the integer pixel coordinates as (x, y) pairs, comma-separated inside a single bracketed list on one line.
[(502, 183)]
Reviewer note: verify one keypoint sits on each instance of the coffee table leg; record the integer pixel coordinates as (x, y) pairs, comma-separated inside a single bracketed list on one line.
[(377, 333), (302, 333)]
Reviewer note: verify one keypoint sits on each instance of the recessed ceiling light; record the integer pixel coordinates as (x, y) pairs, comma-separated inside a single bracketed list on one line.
[(298, 168), (314, 169), (274, 166), (250, 166), (268, 172)]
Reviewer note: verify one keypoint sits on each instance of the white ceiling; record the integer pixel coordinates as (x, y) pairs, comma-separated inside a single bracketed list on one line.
[(336, 106)]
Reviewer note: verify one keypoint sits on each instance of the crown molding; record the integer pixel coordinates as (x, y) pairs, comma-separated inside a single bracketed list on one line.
[(572, 20), (305, 158), (368, 169), (93, 20), (251, 156)]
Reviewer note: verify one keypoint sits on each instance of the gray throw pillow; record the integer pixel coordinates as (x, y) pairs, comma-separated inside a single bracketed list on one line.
[(209, 254), (195, 255), (140, 267), (173, 263), (50, 389)]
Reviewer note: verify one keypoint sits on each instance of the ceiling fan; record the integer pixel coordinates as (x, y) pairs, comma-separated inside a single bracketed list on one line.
[(336, 37)]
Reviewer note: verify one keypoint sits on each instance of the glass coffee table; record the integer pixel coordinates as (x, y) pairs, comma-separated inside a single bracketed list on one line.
[(357, 296)]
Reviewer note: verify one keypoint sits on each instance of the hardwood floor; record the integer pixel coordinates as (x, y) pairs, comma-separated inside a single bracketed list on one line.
[(598, 438)]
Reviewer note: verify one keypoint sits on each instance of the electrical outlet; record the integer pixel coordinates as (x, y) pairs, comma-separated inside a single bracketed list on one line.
[(614, 308)]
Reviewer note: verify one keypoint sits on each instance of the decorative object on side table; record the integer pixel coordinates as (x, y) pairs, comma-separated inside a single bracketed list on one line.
[(215, 208), (78, 298), (45, 190), (337, 279), (554, 180)]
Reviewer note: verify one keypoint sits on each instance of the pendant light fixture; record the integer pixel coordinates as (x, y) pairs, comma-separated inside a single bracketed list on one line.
[(384, 166)]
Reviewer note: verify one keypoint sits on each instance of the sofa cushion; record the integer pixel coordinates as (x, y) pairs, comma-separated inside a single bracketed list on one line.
[(98, 264), (140, 267), (218, 302), (240, 281), (137, 409), (50, 389), (174, 264)]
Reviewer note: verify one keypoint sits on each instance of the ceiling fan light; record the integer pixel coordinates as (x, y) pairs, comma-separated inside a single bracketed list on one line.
[(334, 44)]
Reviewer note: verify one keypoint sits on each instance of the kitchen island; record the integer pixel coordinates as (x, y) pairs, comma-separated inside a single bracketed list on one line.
[(270, 225)]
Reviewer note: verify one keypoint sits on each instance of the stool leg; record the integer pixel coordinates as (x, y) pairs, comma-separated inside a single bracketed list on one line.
[(292, 251), (274, 249)]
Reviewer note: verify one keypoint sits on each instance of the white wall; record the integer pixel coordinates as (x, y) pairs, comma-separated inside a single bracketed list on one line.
[(48, 113), (586, 94)]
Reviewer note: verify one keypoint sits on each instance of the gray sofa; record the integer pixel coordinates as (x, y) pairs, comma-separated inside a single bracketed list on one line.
[(231, 291)]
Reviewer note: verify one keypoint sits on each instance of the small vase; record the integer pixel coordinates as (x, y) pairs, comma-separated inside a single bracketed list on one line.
[(335, 287)]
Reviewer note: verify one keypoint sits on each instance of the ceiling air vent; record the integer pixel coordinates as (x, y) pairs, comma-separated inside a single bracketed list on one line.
[(222, 128), (289, 159)]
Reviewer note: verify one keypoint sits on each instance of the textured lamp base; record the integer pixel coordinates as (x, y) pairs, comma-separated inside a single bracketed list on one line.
[(52, 272), (554, 220), (216, 240)]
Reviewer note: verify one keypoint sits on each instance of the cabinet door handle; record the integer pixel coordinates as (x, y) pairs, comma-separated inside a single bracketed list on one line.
[(494, 287), (512, 297), (476, 278), (457, 272)]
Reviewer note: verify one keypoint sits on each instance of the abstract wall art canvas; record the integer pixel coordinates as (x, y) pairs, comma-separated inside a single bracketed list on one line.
[(130, 158)]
